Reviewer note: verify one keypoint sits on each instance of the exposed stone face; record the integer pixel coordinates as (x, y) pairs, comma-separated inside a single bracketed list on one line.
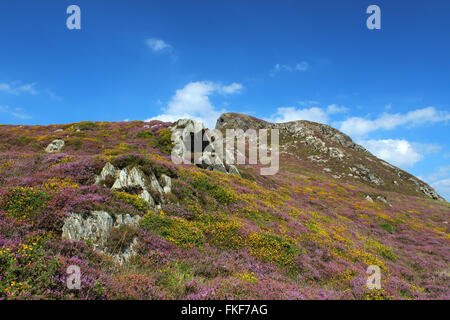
[(96, 228), (55, 146), (187, 132), (166, 183), (426, 189), (134, 179)]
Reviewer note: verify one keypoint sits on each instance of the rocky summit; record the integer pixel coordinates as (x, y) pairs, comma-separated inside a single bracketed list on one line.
[(109, 199)]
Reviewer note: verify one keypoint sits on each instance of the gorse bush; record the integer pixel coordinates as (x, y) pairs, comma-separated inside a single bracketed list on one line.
[(23, 202), (164, 141), (222, 195), (177, 230), (137, 202), (225, 234), (146, 134), (26, 270), (387, 227), (272, 248)]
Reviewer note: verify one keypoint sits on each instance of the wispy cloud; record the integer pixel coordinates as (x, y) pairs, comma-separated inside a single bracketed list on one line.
[(157, 45), (18, 113), (16, 88), (310, 111), (358, 126), (302, 66)]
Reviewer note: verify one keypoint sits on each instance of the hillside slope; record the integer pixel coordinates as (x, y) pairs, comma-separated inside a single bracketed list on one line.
[(109, 200)]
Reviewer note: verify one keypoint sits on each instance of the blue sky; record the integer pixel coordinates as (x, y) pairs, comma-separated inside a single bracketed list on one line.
[(277, 60)]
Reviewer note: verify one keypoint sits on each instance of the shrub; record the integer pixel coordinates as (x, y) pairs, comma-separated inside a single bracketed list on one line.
[(222, 195), (26, 270), (225, 234), (179, 231), (120, 238), (164, 141), (22, 140), (145, 134), (147, 165), (137, 202), (87, 125), (272, 248), (23, 202), (387, 227)]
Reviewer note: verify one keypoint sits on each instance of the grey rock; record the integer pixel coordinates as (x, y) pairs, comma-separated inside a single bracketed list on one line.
[(96, 228), (55, 146)]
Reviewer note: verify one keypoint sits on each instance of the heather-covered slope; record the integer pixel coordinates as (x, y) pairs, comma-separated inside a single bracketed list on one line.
[(300, 234)]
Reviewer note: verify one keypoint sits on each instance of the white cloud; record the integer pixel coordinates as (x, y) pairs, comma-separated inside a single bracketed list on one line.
[(16, 89), (442, 187), (439, 180), (18, 113), (310, 112), (231, 89), (157, 45), (302, 66), (358, 126), (335, 109), (193, 102), (309, 103), (286, 114), (398, 152)]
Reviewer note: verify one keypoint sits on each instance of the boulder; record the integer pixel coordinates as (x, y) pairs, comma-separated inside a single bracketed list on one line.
[(96, 228), (55, 146)]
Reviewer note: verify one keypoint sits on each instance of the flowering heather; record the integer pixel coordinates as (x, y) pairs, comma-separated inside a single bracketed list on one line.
[(295, 235)]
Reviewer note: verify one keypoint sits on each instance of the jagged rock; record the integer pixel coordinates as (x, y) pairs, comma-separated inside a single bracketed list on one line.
[(233, 170), (426, 189), (187, 133), (55, 146), (134, 179), (368, 198), (96, 228), (156, 187), (384, 200), (166, 182), (108, 171), (336, 153)]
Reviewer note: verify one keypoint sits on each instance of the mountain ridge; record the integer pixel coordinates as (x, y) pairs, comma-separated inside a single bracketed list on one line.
[(326, 139)]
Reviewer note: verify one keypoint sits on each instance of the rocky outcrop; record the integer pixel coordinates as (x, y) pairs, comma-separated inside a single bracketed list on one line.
[(426, 189), (134, 180), (96, 228), (55, 146), (186, 134)]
